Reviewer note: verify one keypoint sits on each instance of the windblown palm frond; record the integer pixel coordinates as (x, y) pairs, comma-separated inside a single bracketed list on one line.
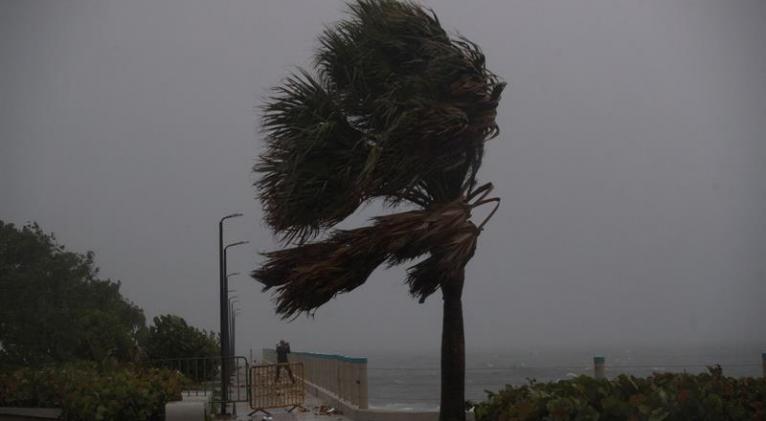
[(398, 110), (312, 161), (309, 275)]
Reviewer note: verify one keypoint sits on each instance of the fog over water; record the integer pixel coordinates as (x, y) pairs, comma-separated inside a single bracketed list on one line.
[(630, 163)]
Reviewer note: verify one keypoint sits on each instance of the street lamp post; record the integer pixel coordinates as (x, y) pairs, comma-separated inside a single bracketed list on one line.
[(234, 368), (232, 331), (226, 353), (232, 350), (234, 313), (226, 287), (224, 317)]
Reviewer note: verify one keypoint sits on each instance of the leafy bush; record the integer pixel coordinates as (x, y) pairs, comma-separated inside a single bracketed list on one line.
[(85, 393), (666, 396)]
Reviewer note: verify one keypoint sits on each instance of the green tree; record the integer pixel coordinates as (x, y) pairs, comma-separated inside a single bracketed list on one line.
[(397, 110), (171, 338), (54, 308)]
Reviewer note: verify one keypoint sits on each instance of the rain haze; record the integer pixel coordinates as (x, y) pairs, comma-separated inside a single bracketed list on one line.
[(630, 164)]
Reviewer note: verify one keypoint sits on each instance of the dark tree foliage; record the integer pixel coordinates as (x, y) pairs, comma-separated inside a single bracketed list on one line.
[(171, 342), (397, 110), (171, 337), (661, 396), (53, 306)]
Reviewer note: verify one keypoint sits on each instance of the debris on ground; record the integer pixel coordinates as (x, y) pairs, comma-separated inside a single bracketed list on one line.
[(326, 410)]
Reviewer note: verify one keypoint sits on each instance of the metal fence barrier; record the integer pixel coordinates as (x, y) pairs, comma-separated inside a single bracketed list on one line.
[(342, 376), (203, 375), (276, 386)]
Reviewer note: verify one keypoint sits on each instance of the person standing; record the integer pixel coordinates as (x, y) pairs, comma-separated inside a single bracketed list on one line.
[(283, 348)]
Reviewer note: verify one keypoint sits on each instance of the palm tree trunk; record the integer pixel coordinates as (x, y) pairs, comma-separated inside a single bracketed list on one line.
[(453, 352)]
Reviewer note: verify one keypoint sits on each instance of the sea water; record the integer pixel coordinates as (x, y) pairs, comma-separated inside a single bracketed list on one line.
[(410, 380)]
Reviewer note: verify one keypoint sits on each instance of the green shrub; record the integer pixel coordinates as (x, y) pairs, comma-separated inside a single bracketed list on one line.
[(666, 396), (84, 392)]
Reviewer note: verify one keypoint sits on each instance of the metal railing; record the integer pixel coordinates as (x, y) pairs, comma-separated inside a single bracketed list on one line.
[(203, 375)]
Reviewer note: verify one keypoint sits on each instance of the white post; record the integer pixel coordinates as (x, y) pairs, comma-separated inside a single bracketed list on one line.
[(599, 368)]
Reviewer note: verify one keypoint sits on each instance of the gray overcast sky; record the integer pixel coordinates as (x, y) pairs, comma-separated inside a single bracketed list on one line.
[(631, 164)]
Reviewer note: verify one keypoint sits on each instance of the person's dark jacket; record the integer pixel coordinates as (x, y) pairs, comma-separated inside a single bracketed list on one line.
[(282, 351)]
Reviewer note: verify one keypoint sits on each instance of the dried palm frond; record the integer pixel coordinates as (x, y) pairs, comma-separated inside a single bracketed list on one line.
[(309, 275), (445, 264)]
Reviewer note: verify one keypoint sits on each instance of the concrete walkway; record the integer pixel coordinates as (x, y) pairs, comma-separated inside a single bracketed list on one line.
[(314, 411)]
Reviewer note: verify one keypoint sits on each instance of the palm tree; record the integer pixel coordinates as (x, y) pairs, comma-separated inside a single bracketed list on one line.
[(396, 110)]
